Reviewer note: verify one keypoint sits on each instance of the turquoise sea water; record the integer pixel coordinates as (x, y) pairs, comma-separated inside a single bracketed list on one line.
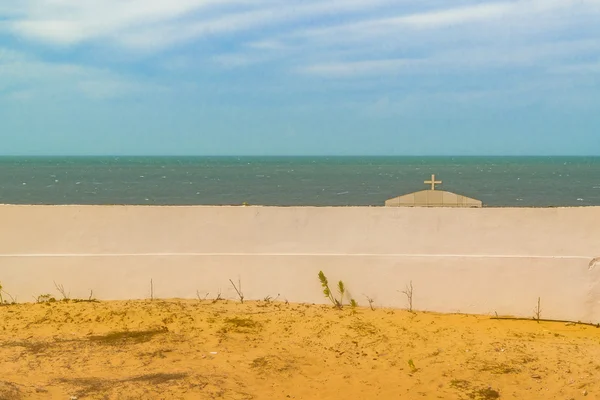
[(287, 181)]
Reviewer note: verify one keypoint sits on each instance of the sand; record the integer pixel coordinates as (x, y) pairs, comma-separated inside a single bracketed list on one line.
[(270, 350)]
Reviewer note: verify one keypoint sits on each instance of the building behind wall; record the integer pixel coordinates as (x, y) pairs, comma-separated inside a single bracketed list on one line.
[(433, 198)]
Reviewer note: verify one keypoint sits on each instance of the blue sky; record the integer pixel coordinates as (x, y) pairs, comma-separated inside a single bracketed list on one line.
[(291, 77)]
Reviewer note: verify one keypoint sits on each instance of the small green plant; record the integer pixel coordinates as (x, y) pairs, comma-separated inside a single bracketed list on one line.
[(342, 292), (327, 291), (329, 294), (45, 298), (90, 299), (411, 365)]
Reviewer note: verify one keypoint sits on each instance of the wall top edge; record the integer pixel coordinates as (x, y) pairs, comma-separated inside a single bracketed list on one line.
[(281, 207)]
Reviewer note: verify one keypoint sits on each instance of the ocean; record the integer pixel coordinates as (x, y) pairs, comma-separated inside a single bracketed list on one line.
[(296, 181)]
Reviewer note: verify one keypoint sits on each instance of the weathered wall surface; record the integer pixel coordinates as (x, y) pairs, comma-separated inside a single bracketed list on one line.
[(459, 260)]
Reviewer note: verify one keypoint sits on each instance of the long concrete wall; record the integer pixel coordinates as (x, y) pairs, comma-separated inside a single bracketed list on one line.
[(482, 261)]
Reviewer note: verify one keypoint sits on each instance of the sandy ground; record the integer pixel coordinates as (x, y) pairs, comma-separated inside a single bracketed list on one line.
[(270, 350)]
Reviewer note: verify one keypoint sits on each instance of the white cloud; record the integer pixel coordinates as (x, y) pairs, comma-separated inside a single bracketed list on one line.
[(269, 44), (516, 54), (331, 38), (507, 13), (172, 32), (235, 60), (372, 35), (436, 19), (475, 37), (159, 23), (25, 77), (464, 59), (72, 21), (353, 68)]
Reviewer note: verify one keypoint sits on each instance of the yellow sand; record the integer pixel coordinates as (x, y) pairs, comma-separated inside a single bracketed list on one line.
[(260, 350)]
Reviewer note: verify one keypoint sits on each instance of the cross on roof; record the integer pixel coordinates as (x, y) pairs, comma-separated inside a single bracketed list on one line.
[(433, 182)]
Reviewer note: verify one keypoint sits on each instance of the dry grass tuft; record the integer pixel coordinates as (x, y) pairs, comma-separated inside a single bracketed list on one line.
[(127, 337), (9, 391), (90, 386), (31, 347)]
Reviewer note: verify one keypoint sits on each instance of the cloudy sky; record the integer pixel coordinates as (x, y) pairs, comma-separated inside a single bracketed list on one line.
[(279, 77)]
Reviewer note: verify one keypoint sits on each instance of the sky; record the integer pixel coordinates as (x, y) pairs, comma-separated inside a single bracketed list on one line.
[(299, 77)]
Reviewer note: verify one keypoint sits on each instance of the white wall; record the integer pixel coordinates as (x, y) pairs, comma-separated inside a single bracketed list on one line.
[(459, 260)]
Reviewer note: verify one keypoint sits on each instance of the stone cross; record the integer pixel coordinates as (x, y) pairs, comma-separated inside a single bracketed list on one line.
[(433, 182)]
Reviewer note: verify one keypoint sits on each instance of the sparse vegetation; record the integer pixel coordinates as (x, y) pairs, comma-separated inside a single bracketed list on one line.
[(238, 289), (273, 365), (537, 312), (45, 298), (329, 294), (260, 362), (232, 347), (29, 346), (9, 391), (371, 301), (342, 291), (269, 299), (485, 394), (408, 292), (460, 384), (238, 322), (218, 298), (62, 291), (239, 325), (90, 299), (327, 291), (127, 337), (2, 300), (363, 328), (200, 298), (411, 365), (48, 298), (474, 393), (499, 368), (91, 386)]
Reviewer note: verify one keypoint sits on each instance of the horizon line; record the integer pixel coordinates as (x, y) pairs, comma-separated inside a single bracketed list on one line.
[(294, 155)]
